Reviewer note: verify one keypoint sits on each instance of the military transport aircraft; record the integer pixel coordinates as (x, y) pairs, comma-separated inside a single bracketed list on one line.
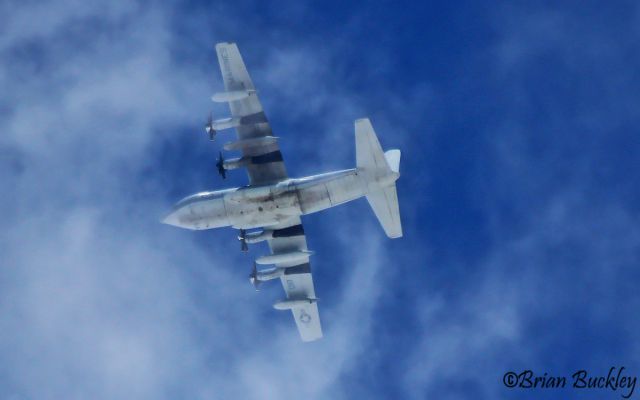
[(273, 203)]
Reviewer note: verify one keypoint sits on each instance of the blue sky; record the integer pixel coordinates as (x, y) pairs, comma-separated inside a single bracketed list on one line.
[(519, 196)]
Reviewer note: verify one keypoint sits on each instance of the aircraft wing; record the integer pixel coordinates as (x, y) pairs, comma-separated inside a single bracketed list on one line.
[(255, 139), (297, 281)]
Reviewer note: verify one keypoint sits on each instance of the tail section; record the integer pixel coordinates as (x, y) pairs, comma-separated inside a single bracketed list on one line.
[(384, 202), (369, 155), (393, 159), (381, 171)]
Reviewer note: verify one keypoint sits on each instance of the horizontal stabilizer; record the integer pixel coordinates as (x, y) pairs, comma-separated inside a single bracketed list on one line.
[(383, 170), (369, 154), (384, 202)]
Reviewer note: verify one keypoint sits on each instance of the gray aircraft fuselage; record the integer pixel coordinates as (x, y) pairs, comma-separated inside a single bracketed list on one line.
[(263, 206)]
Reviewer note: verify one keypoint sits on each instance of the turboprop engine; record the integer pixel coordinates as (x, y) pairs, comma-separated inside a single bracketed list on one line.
[(235, 163), (212, 127), (257, 277), (225, 123), (291, 257), (257, 237)]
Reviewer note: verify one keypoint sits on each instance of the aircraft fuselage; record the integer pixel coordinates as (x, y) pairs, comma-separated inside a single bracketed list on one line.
[(263, 206)]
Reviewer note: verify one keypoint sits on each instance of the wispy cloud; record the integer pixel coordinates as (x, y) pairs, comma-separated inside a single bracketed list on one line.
[(101, 119), (98, 299)]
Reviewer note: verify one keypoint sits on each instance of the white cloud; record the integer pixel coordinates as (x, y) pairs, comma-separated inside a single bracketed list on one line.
[(98, 299)]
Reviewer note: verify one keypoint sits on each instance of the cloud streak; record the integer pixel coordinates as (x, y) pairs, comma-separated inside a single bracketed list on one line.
[(98, 299), (101, 124)]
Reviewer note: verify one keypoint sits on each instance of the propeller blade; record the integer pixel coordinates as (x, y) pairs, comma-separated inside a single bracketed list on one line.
[(220, 165), (243, 240), (253, 277), (209, 127)]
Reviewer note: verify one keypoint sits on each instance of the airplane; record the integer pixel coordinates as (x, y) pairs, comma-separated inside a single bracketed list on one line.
[(272, 204)]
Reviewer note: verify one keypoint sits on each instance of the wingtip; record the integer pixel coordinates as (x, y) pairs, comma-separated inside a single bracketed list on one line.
[(311, 339), (221, 44)]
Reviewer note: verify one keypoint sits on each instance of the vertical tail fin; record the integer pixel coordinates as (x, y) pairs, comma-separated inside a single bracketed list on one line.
[(393, 159), (381, 170)]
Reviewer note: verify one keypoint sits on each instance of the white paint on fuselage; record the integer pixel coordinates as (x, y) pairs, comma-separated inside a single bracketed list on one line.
[(262, 206)]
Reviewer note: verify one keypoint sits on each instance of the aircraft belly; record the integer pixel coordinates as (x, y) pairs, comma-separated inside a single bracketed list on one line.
[(253, 212)]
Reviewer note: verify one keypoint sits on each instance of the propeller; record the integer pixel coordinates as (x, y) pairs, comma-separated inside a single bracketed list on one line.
[(243, 240), (253, 277), (220, 166), (209, 127)]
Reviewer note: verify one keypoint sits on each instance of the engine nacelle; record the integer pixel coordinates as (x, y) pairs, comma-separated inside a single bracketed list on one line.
[(235, 163), (268, 274), (292, 257), (225, 123), (256, 237)]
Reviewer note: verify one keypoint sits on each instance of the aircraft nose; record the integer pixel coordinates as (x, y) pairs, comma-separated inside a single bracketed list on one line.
[(171, 219)]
